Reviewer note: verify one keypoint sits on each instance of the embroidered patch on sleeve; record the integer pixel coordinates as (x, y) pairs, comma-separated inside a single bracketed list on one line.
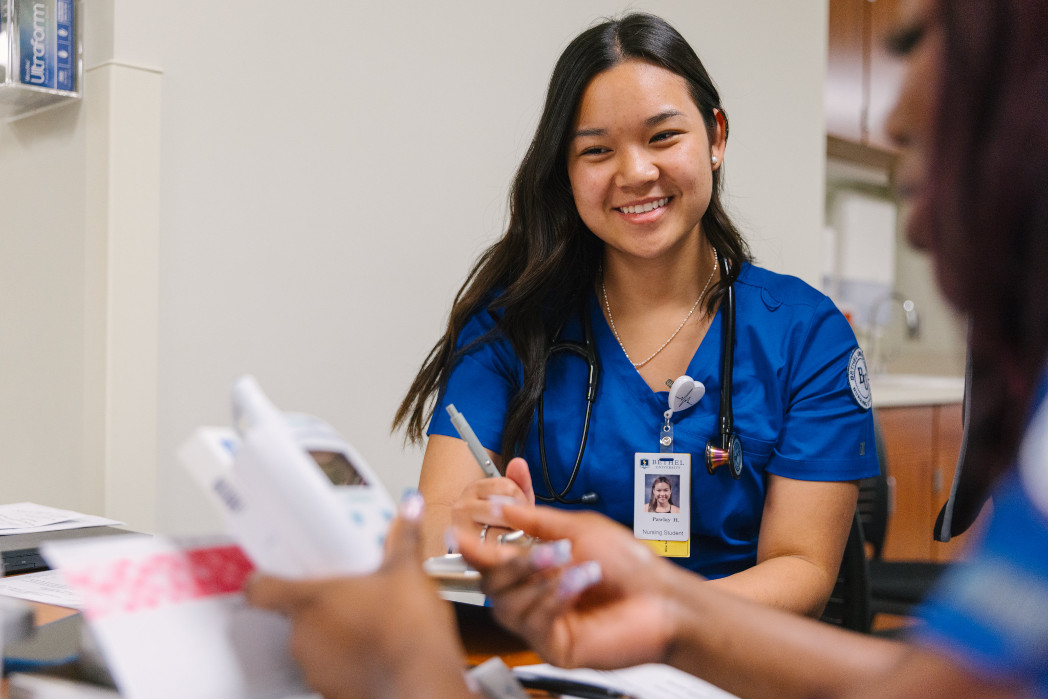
[(859, 379)]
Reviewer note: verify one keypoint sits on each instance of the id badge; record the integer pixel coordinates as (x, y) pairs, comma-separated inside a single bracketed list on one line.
[(662, 502)]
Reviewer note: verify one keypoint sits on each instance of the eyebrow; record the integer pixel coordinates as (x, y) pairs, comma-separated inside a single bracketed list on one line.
[(649, 122)]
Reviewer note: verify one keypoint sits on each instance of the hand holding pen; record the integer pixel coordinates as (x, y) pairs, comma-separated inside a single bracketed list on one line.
[(474, 506)]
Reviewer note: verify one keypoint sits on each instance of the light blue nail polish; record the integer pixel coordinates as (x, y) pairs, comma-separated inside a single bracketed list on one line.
[(411, 504), (450, 540), (577, 578), (551, 554), (495, 503)]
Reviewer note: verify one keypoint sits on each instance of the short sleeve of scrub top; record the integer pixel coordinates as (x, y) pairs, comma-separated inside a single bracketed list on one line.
[(800, 404), (990, 614)]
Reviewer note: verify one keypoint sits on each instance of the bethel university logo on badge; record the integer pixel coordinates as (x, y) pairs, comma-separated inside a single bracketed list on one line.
[(859, 379)]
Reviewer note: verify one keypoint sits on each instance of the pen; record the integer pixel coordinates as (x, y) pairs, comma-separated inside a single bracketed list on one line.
[(481, 455), (478, 450), (567, 687)]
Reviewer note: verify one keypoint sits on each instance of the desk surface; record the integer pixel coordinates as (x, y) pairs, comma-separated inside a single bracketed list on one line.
[(46, 613), (42, 614), (482, 637)]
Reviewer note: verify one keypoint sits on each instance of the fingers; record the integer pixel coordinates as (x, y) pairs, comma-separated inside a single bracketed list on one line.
[(277, 594), (404, 538), (473, 507), (517, 471), (508, 567), (534, 591), (547, 523), (482, 554)]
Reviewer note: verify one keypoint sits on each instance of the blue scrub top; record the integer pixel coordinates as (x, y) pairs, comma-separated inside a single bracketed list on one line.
[(991, 614), (794, 408)]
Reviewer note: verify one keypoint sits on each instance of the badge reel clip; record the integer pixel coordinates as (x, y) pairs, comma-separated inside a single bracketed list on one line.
[(685, 392)]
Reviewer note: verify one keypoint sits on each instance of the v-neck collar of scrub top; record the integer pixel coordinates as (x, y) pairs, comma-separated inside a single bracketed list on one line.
[(704, 363)]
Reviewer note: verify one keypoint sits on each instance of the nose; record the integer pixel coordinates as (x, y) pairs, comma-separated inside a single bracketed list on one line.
[(635, 168), (897, 124)]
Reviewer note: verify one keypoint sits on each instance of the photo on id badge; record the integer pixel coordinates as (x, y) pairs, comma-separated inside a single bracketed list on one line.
[(661, 497)]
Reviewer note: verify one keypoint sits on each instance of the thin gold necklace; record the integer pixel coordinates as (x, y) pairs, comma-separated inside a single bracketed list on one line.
[(611, 318)]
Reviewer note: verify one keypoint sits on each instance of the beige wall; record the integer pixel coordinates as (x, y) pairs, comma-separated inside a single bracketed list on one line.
[(299, 196)]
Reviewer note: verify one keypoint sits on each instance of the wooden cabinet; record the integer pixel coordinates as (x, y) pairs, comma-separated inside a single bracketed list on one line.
[(922, 444), (862, 79)]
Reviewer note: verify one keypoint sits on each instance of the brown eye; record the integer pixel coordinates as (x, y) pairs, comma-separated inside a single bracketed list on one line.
[(664, 136)]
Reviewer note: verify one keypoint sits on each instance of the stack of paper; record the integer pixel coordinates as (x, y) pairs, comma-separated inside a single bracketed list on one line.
[(28, 518)]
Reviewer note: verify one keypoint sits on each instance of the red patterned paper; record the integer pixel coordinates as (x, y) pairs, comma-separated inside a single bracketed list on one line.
[(132, 585)]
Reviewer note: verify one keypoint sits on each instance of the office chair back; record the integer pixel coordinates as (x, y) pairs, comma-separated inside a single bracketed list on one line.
[(894, 587), (874, 506)]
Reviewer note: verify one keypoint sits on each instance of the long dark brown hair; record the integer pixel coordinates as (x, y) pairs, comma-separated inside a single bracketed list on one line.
[(986, 214), (543, 268)]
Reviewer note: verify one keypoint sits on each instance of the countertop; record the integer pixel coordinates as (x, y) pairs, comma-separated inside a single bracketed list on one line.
[(897, 390)]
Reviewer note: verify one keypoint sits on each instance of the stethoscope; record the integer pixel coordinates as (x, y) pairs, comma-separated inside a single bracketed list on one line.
[(726, 450)]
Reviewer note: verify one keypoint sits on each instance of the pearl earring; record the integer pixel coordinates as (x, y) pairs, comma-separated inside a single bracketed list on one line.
[(714, 160)]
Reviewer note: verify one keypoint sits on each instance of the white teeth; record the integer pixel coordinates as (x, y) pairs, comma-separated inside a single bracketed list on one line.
[(644, 208)]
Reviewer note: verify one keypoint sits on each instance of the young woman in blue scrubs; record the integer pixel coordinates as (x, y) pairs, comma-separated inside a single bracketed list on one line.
[(971, 126), (617, 222)]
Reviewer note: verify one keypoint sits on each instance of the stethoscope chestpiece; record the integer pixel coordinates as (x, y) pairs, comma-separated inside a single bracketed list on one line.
[(718, 456)]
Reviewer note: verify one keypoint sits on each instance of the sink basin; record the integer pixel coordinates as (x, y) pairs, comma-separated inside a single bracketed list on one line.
[(890, 390)]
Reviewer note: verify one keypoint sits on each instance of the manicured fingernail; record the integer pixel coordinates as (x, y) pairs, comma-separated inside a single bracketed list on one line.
[(497, 501), (551, 554), (450, 540), (577, 578), (411, 505)]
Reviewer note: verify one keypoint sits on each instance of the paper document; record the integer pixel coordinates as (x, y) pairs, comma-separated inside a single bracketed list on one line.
[(171, 622), (48, 587), (652, 681), (28, 518), (23, 686)]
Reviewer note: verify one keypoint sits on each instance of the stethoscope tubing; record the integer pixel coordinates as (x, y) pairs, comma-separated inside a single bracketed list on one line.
[(588, 352), (725, 421)]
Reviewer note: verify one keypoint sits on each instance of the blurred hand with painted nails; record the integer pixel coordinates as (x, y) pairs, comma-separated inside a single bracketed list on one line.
[(387, 634), (590, 596)]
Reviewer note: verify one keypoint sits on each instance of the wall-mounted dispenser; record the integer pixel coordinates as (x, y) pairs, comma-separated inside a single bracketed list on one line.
[(40, 55)]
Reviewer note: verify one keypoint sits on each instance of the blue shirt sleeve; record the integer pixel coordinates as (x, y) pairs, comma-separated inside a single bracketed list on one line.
[(991, 613), (481, 383), (826, 433)]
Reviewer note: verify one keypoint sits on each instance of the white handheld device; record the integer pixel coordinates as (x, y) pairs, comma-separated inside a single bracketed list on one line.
[(286, 514)]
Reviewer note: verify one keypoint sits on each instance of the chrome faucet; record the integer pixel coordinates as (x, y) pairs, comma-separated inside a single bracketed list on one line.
[(879, 356), (913, 320)]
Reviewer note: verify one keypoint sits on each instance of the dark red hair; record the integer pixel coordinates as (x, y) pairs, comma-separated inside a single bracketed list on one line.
[(986, 213)]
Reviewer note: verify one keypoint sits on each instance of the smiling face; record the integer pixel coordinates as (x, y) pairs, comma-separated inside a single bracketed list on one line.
[(662, 493), (640, 162)]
